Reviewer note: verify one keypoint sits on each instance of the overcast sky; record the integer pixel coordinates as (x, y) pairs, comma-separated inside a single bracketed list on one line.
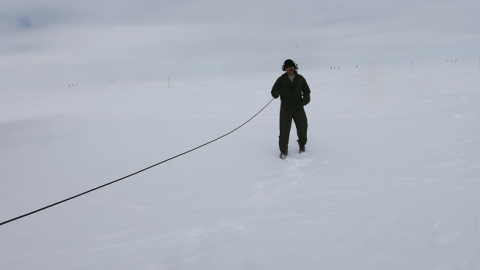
[(58, 41)]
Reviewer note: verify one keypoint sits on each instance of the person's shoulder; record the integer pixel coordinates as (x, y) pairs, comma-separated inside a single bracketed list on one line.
[(301, 77), (284, 75)]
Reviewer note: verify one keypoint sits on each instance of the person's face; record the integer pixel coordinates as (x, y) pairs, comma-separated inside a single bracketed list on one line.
[(290, 69)]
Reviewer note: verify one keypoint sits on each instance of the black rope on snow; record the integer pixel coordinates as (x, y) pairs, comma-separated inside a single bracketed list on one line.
[(104, 185)]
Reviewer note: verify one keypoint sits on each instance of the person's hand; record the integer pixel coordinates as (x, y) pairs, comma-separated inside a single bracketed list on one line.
[(278, 93)]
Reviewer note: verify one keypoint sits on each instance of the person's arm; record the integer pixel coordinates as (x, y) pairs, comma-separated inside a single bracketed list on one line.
[(306, 93), (276, 89)]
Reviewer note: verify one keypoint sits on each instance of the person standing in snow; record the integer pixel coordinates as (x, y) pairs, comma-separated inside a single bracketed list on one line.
[(294, 94)]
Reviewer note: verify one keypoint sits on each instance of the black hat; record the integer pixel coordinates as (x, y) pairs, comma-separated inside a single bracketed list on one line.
[(289, 63)]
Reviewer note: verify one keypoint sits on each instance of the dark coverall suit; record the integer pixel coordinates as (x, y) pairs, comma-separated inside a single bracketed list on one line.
[(294, 95)]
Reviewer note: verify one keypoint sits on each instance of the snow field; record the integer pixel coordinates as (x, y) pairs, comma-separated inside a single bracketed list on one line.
[(390, 179)]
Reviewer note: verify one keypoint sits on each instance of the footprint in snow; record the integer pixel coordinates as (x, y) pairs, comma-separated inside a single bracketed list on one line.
[(295, 169), (191, 236)]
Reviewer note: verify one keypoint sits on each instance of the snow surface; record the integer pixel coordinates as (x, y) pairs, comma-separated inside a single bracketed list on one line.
[(390, 179)]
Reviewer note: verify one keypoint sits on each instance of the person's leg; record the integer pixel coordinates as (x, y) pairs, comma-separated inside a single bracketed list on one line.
[(301, 123), (285, 126)]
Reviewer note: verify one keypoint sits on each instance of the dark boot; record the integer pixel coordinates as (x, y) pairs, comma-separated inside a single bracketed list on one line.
[(302, 149)]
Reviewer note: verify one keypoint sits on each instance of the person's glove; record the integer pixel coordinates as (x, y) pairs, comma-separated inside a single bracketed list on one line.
[(279, 92)]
